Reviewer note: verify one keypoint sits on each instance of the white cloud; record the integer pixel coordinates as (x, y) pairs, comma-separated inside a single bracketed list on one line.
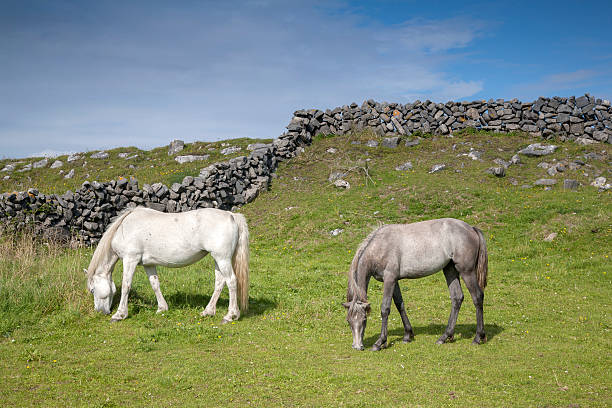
[(146, 76)]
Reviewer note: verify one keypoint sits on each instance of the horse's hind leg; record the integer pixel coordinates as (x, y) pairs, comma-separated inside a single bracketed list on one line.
[(129, 266), (151, 271), (227, 274), (399, 304), (471, 282), (211, 308), (456, 296)]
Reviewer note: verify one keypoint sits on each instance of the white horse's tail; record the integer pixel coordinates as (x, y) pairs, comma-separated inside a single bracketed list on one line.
[(240, 261), (105, 243)]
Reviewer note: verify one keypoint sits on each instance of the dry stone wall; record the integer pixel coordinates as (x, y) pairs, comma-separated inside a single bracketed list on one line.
[(87, 211)]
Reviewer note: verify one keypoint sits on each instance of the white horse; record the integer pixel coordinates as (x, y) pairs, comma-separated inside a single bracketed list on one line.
[(142, 236)]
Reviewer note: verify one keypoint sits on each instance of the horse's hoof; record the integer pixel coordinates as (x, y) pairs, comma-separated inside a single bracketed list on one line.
[(206, 314), (225, 321), (114, 320), (376, 347)]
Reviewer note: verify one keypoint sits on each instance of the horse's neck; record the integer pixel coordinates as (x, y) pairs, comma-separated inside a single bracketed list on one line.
[(107, 263), (359, 287)]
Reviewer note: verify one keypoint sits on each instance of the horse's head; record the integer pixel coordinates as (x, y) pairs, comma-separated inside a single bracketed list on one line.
[(356, 316), (103, 290)]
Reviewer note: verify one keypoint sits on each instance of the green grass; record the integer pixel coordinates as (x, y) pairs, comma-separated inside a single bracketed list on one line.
[(151, 166), (547, 306)]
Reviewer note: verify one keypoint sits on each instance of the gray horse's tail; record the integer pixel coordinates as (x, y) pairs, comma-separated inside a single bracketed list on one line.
[(240, 262), (482, 266), (105, 243)]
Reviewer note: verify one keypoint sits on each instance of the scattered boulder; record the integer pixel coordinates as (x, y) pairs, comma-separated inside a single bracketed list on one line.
[(99, 155), (256, 146), (8, 167), (569, 184), (191, 158), (332, 150), (40, 164), (56, 164), (336, 232), (412, 142), (600, 183), (437, 167), (342, 184), (391, 142), (336, 175), (474, 154), (230, 150), (538, 149), (545, 182), (70, 174), (550, 237), (175, 147), (516, 159), (73, 157), (404, 167), (497, 171), (372, 143)]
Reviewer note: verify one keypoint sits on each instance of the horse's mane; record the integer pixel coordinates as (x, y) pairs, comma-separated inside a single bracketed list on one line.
[(354, 291), (105, 242)]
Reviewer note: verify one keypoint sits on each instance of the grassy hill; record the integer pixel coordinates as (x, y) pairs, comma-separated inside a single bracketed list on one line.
[(547, 305)]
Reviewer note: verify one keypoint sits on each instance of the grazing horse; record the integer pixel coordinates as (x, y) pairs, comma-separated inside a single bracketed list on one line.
[(410, 251), (142, 236)]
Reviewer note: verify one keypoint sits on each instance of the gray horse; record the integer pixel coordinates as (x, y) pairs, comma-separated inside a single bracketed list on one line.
[(410, 251)]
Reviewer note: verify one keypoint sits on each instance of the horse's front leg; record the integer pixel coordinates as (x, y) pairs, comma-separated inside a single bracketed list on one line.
[(129, 266), (151, 271), (399, 304), (385, 309)]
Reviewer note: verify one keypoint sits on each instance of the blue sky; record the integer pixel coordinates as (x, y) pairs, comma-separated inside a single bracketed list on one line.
[(85, 75)]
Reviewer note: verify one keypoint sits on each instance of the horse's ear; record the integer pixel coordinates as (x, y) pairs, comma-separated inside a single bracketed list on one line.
[(346, 304)]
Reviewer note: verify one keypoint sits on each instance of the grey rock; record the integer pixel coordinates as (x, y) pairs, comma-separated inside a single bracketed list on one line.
[(474, 154), (8, 167), (516, 159), (569, 184), (545, 182), (599, 182), (99, 155), (497, 171), (257, 146), (412, 142), (502, 163), (390, 142), (342, 184), (538, 149), (156, 206), (175, 147), (56, 164), (191, 158), (230, 150), (332, 150), (70, 174), (372, 143), (40, 164), (404, 167), (437, 167), (73, 157), (550, 237), (336, 175), (336, 232)]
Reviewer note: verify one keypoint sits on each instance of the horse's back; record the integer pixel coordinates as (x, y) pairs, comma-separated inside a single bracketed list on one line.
[(422, 248), (175, 239)]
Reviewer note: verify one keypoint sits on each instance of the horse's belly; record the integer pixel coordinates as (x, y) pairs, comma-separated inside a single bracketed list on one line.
[(416, 267), (172, 259)]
